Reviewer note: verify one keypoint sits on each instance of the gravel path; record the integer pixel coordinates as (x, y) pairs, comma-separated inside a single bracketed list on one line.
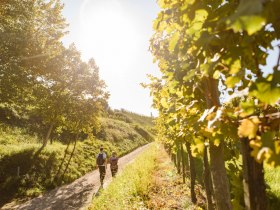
[(78, 194)]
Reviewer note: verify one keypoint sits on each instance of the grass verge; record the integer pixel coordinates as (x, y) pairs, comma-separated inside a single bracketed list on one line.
[(151, 182), (130, 189), (272, 177), (168, 190)]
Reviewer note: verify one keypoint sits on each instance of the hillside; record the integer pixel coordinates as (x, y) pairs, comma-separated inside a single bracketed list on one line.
[(139, 119), (131, 117), (27, 170)]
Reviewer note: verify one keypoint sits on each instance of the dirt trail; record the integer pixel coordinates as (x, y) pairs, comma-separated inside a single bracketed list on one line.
[(78, 194)]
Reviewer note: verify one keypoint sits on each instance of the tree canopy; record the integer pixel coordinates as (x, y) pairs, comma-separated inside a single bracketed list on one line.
[(40, 78)]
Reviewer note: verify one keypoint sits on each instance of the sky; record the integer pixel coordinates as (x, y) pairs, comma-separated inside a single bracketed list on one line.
[(116, 34)]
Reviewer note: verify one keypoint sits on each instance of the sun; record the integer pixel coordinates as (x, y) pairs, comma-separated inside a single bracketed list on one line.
[(106, 33)]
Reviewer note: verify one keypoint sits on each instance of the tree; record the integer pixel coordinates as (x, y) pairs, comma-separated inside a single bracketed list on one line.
[(39, 77), (30, 36)]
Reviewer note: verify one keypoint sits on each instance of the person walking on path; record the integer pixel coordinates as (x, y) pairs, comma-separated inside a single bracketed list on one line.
[(114, 164), (101, 162)]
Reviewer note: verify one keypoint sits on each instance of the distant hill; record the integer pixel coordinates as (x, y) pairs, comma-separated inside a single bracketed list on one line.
[(131, 117)]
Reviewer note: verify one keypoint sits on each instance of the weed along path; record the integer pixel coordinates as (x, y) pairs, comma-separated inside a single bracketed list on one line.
[(78, 194)]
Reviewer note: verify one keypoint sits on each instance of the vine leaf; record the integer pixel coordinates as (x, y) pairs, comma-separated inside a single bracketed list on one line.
[(174, 41), (164, 102), (235, 67), (248, 128), (251, 24), (266, 92), (231, 81), (247, 17)]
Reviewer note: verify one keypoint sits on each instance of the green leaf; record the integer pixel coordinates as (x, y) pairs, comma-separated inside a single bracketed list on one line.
[(247, 17), (232, 81), (251, 24), (200, 15), (267, 139), (189, 75), (248, 107), (235, 67), (198, 147), (217, 142), (163, 102), (216, 74), (173, 41), (266, 92)]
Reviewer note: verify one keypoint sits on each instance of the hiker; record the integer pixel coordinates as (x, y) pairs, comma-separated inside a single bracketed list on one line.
[(101, 162), (114, 164)]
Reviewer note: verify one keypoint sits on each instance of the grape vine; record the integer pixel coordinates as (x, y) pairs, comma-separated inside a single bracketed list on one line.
[(215, 90)]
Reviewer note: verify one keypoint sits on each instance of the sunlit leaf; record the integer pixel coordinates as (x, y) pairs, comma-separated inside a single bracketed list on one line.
[(216, 74), (217, 142), (277, 147), (264, 91), (189, 75), (173, 41), (198, 147), (248, 108), (232, 81), (251, 24), (163, 102), (235, 67), (255, 145), (248, 128)]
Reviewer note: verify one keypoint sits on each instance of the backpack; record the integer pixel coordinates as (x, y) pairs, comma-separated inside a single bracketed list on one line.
[(100, 160), (114, 161)]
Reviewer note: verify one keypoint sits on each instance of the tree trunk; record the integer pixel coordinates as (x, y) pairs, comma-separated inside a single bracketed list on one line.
[(187, 161), (168, 149), (218, 170), (219, 177), (193, 174), (178, 161), (207, 180), (48, 135), (173, 157), (253, 180), (183, 163)]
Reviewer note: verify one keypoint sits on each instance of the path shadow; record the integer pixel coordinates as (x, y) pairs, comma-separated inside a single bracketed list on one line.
[(10, 166), (22, 170), (68, 197)]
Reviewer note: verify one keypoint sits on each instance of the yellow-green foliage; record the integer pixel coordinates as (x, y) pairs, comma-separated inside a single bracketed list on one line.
[(129, 189), (121, 134), (272, 178), (116, 130), (139, 119), (129, 117)]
